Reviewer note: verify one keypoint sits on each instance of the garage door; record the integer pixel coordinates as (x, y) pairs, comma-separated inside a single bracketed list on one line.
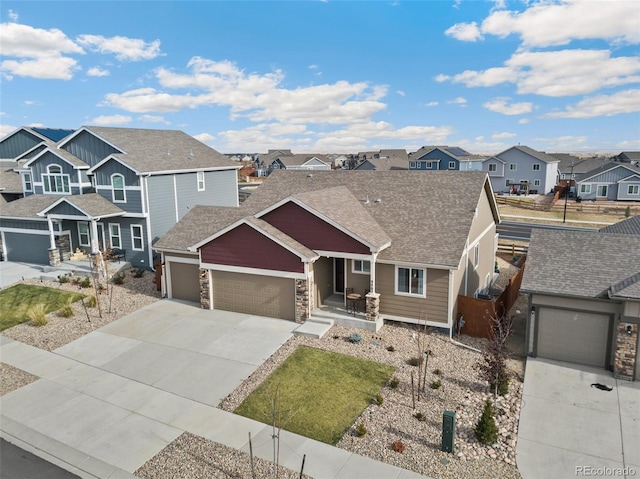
[(573, 336), (254, 294), (27, 248), (185, 281)]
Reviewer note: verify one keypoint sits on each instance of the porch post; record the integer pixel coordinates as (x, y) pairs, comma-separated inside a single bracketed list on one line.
[(94, 236), (372, 273), (52, 237)]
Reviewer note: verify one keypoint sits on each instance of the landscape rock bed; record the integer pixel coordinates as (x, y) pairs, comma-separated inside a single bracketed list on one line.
[(13, 378), (460, 391)]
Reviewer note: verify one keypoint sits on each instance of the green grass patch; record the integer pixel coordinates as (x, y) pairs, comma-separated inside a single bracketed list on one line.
[(16, 301), (321, 393)]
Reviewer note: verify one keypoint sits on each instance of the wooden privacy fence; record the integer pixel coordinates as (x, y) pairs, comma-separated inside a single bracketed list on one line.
[(478, 313)]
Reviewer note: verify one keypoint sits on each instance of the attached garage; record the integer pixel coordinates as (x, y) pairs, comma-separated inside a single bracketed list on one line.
[(573, 336), (254, 294), (27, 248), (185, 281)]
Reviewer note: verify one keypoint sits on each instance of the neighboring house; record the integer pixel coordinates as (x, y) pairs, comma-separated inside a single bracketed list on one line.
[(584, 298), (611, 181), (522, 168), (338, 161), (632, 157), (572, 167), (301, 161), (444, 158), (630, 226), (100, 188), (383, 160), (413, 241)]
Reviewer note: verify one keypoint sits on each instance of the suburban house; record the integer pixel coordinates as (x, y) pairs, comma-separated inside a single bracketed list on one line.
[(522, 169), (286, 160), (444, 158), (571, 167), (610, 181), (632, 157), (100, 188), (584, 297), (383, 160), (409, 244)]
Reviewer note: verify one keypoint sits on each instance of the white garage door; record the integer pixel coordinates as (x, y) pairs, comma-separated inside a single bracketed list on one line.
[(254, 294), (185, 281), (573, 336)]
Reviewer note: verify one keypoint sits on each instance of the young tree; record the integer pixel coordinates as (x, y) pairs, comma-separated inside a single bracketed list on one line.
[(493, 367), (486, 429)]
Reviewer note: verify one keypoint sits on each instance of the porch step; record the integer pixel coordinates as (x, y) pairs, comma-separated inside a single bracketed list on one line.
[(314, 328)]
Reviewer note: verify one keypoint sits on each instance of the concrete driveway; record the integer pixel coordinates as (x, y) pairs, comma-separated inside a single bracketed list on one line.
[(12, 272), (570, 429)]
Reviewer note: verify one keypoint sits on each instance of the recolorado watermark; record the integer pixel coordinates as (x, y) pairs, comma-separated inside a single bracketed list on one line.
[(591, 471)]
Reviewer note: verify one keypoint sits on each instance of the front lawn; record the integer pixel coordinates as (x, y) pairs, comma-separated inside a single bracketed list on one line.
[(321, 393), (16, 300)]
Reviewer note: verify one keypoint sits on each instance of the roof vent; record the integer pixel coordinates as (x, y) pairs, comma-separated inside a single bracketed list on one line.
[(310, 175), (366, 202), (378, 200), (168, 153), (191, 154)]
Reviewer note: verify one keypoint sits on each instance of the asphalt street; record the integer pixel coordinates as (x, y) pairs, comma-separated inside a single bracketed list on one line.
[(16, 463)]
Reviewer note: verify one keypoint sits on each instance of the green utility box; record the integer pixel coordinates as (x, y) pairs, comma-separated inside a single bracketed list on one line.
[(448, 430)]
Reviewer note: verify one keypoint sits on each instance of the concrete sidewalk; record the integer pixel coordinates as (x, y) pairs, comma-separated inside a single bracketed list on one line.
[(109, 401), (568, 428)]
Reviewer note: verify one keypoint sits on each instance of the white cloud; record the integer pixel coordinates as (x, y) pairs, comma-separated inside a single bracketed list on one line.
[(313, 67), (547, 23), (466, 32), (565, 143), (97, 72), (627, 101), (153, 119), (401, 92), (6, 129), (13, 16), (40, 52), (111, 120), (458, 101), (431, 103), (627, 145), (442, 78), (557, 73), (523, 121), (500, 105), (502, 136), (205, 138), (131, 49), (30, 102)]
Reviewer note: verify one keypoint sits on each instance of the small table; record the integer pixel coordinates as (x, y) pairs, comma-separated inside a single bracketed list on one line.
[(353, 298)]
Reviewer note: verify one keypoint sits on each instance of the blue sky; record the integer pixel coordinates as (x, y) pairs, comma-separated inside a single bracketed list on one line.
[(331, 76)]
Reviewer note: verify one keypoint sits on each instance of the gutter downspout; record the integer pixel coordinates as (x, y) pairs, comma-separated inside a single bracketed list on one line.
[(451, 340)]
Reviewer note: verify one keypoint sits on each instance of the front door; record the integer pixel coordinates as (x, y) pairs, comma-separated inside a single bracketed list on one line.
[(338, 275)]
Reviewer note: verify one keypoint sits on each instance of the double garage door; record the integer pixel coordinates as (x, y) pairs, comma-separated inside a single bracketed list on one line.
[(573, 336)]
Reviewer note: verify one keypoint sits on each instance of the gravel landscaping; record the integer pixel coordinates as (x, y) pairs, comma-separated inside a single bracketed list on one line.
[(13, 378)]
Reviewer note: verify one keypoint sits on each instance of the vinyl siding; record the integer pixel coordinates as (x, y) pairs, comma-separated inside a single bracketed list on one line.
[(220, 190), (23, 224), (161, 205), (359, 282), (65, 209), (103, 174), (623, 191), (323, 279), (133, 197), (39, 167), (433, 307), (435, 155), (17, 144), (89, 148), (477, 276)]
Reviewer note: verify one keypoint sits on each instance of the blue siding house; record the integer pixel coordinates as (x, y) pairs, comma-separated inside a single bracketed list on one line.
[(99, 188), (612, 181), (444, 158)]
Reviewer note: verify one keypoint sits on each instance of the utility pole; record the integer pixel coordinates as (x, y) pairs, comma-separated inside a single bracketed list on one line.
[(566, 195)]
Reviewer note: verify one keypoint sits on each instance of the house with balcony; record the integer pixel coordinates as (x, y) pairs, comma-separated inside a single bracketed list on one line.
[(98, 188)]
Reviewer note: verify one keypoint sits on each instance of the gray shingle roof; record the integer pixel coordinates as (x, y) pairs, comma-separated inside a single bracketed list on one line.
[(535, 153), (151, 151), (94, 205), (300, 159), (28, 207), (10, 181), (608, 166), (627, 288), (579, 263), (427, 217), (630, 226)]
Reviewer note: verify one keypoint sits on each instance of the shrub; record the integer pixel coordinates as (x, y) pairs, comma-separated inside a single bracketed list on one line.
[(503, 386), (486, 429), (378, 399), (398, 446), (437, 372), (416, 360), (391, 349), (118, 279), (85, 282), (75, 280), (436, 384), (419, 416), (137, 272), (361, 430), (37, 314), (67, 310), (63, 279), (393, 383), (355, 338), (627, 212), (92, 302)]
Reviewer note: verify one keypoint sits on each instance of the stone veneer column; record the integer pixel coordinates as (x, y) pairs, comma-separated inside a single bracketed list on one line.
[(205, 289), (626, 351), (54, 256), (372, 306), (302, 300)]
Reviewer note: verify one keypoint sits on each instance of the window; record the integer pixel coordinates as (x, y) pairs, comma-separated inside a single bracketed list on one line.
[(633, 190), (54, 181), (493, 167), (536, 182), (114, 235), (476, 255), (117, 183), (585, 188), (509, 182), (562, 177), (452, 165), (536, 167), (84, 239), (410, 281), (361, 266), (136, 238), (429, 165), (28, 184), (513, 166), (412, 164), (601, 190), (200, 180)]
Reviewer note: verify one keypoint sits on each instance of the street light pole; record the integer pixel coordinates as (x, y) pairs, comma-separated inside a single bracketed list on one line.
[(566, 195)]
